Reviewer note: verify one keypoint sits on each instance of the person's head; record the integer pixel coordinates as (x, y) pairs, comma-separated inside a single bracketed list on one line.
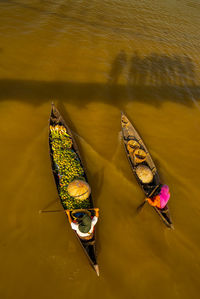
[(84, 223), (165, 189)]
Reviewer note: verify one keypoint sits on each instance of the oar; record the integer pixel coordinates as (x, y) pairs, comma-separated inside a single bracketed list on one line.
[(54, 211), (50, 211), (141, 206)]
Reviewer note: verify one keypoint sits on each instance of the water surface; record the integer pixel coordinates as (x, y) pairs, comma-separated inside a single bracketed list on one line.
[(94, 59)]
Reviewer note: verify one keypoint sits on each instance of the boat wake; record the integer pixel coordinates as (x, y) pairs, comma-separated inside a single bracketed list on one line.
[(96, 161)]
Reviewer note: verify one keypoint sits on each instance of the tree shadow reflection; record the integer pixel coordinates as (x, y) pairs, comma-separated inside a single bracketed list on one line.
[(117, 67), (152, 79), (161, 70)]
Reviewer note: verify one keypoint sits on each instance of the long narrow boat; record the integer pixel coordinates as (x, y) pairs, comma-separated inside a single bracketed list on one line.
[(67, 166), (130, 136)]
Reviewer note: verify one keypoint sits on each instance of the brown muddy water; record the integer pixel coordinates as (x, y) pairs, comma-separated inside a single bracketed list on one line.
[(94, 59)]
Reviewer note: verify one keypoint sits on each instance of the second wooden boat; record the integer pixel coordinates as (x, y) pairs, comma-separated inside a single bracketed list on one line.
[(131, 138)]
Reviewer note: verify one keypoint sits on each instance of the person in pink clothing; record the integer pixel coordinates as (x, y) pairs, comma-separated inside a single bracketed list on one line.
[(161, 199)]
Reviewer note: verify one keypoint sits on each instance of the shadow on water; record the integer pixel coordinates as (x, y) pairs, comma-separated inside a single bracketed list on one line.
[(117, 67), (152, 79), (161, 70), (98, 179), (164, 77)]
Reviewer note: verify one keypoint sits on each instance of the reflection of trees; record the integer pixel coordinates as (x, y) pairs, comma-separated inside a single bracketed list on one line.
[(161, 69), (136, 69), (117, 67)]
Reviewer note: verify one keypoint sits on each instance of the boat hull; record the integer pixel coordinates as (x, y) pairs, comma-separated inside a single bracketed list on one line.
[(129, 133), (88, 244)]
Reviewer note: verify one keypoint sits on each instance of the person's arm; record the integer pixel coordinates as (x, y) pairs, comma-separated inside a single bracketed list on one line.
[(94, 220), (96, 212), (154, 202), (69, 216), (74, 225)]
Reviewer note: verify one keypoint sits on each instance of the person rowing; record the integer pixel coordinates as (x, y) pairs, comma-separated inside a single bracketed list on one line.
[(160, 197), (83, 223), (81, 220)]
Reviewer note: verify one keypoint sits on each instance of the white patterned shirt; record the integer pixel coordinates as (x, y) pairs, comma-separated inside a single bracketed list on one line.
[(75, 227)]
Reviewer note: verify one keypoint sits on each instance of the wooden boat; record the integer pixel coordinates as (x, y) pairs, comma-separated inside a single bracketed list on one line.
[(129, 133), (74, 167)]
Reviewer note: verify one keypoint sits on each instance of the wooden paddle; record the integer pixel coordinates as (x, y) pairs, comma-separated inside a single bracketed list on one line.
[(141, 206), (50, 211), (55, 211)]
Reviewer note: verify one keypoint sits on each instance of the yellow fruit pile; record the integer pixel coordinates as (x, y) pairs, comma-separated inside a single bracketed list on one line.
[(67, 166)]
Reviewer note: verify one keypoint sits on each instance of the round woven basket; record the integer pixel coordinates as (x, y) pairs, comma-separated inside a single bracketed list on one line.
[(139, 155), (132, 145), (144, 173)]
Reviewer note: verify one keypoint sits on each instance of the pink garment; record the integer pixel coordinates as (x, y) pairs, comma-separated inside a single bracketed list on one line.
[(164, 196)]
